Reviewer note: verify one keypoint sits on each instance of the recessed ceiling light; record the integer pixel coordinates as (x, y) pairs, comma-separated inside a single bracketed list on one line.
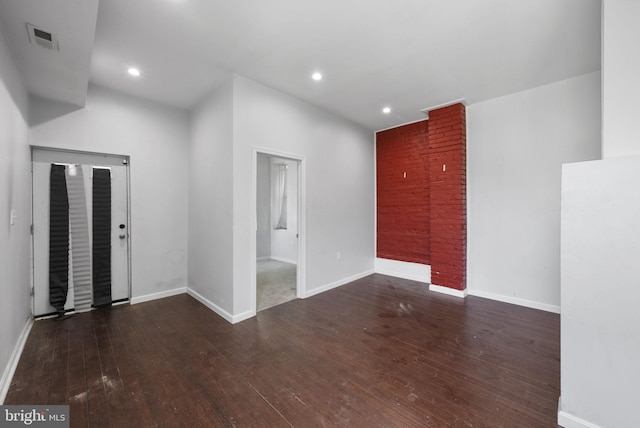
[(134, 71), (316, 76), (386, 110)]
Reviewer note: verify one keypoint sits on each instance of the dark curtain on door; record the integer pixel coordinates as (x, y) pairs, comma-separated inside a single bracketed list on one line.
[(101, 237), (58, 238)]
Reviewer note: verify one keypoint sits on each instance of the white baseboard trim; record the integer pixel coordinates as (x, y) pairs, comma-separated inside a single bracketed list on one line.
[(282, 259), (218, 310), (242, 316), (448, 290), (405, 270), (159, 295), (568, 420), (338, 283), (515, 301), (12, 364)]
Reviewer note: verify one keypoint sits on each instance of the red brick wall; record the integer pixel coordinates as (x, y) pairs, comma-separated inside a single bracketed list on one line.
[(403, 203), (423, 218), (448, 219)]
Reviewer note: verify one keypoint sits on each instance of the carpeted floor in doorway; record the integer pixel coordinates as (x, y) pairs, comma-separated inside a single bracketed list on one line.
[(275, 282)]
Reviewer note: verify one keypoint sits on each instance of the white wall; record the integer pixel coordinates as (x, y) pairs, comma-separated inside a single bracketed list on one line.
[(620, 83), (600, 346), (156, 139), (211, 199), (516, 147), (284, 242), (340, 208), (15, 191), (600, 343), (263, 207)]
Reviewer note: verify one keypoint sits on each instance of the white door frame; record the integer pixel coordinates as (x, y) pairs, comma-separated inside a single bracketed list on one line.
[(301, 290), (82, 157)]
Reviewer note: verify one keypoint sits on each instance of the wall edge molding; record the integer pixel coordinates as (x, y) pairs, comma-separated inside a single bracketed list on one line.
[(449, 291), (14, 358), (209, 304), (231, 318), (462, 101), (405, 270), (242, 316), (338, 283), (158, 295), (399, 126), (515, 301), (568, 420)]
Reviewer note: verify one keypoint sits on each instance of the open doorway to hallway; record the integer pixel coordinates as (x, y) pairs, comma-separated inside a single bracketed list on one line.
[(277, 231), (275, 283)]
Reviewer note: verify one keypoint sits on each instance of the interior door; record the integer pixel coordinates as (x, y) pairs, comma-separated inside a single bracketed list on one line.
[(41, 167)]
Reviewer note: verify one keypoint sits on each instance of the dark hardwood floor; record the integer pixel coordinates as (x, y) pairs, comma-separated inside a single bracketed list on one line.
[(378, 352)]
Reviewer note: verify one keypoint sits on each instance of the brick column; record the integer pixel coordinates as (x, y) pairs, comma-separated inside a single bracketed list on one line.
[(448, 210)]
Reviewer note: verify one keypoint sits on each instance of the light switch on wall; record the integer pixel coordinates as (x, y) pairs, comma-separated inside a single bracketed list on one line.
[(13, 217)]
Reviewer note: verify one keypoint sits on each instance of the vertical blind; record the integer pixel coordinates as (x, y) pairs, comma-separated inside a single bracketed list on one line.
[(79, 225), (58, 238), (68, 218), (101, 237)]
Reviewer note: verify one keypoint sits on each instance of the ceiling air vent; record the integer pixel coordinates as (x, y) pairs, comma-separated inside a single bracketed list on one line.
[(42, 38)]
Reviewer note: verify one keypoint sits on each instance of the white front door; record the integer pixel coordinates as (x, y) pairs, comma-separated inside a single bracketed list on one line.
[(118, 166)]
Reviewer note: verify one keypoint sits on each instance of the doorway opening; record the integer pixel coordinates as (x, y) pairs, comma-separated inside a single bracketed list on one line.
[(278, 260), (80, 231)]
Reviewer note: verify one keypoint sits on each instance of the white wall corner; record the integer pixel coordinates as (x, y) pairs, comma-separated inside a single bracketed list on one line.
[(448, 290), (12, 364), (568, 420), (336, 284), (159, 295), (515, 301), (406, 270)]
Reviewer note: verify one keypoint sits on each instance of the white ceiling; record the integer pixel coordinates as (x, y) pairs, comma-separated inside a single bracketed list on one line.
[(406, 54)]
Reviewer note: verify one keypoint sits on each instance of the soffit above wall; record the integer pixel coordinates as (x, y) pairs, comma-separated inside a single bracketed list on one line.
[(63, 74)]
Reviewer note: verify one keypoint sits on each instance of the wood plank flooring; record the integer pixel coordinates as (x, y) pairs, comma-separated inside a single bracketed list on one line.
[(378, 352)]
